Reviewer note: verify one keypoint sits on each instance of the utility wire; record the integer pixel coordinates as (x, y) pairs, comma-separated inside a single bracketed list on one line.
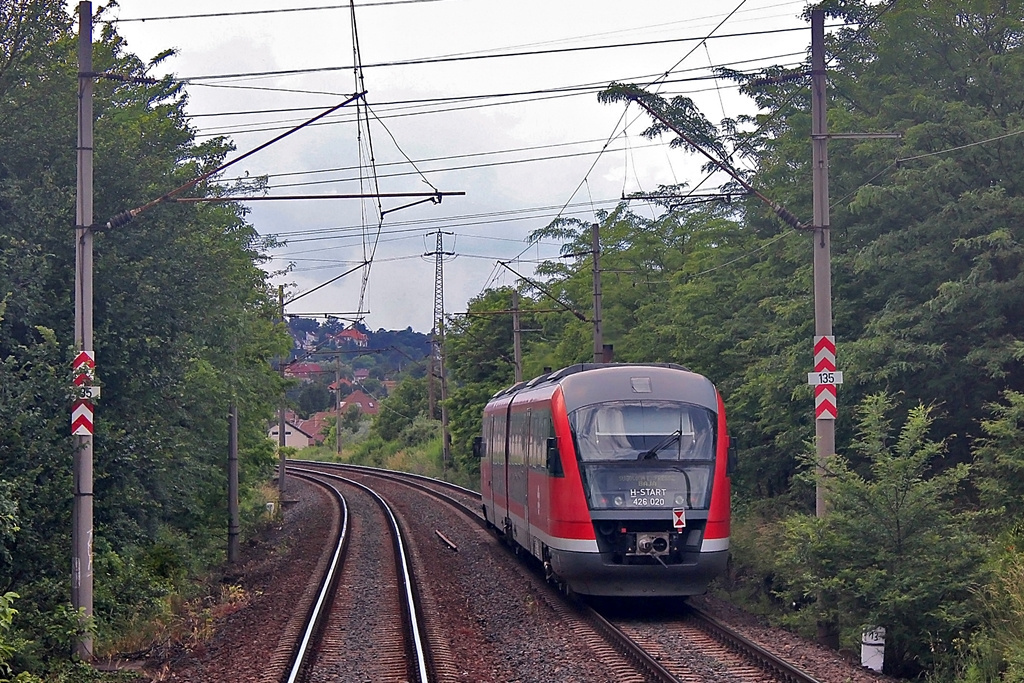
[(125, 216), (452, 169), (266, 11), (625, 110), (746, 144), (362, 114), (582, 88), (423, 112), (503, 55)]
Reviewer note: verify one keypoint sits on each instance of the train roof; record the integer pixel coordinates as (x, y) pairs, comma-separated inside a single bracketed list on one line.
[(587, 383)]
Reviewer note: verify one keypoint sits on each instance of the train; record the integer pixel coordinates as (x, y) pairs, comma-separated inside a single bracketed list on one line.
[(615, 477)]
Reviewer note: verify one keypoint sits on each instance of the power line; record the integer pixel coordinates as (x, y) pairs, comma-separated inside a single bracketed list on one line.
[(584, 88), (464, 167), (615, 133), (267, 11), (501, 55), (450, 157), (447, 222), (340, 120)]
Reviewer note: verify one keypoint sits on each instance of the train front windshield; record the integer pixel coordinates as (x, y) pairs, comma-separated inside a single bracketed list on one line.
[(645, 454)]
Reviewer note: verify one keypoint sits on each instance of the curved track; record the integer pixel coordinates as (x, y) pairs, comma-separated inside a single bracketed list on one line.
[(366, 624)]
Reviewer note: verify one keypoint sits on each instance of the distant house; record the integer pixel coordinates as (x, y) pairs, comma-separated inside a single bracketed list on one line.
[(367, 405), (333, 386), (294, 435), (352, 337), (302, 370), (317, 424), (361, 374)]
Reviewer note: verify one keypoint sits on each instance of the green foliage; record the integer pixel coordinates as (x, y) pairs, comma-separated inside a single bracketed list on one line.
[(8, 519), (352, 419), (420, 431), (374, 451), (8, 644), (401, 407), (896, 548), (999, 458), (311, 397), (183, 327), (996, 652)]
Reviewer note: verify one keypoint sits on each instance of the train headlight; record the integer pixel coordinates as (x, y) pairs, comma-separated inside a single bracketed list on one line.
[(679, 500), (618, 500)]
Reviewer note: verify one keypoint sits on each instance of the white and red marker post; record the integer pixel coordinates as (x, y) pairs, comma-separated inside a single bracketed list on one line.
[(83, 369), (825, 378)]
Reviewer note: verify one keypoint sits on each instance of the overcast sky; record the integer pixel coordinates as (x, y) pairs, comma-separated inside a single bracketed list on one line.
[(520, 132)]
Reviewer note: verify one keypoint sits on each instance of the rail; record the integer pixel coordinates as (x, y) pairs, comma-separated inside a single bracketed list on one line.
[(414, 625), (315, 617)]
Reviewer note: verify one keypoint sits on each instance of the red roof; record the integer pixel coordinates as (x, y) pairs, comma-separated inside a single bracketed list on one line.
[(317, 424), (367, 404), (352, 334), (302, 369)]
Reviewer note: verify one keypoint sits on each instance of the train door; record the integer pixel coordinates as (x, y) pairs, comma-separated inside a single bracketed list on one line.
[(524, 468), (519, 422), (499, 474), (485, 451), (503, 474)]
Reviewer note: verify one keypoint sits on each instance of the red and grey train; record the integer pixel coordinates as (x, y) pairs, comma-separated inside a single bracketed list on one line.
[(615, 476)]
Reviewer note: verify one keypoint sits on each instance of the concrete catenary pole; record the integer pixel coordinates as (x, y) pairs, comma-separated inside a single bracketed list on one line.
[(595, 245), (81, 513), (517, 338), (824, 426), (234, 520), (337, 406), (824, 423), (281, 477)]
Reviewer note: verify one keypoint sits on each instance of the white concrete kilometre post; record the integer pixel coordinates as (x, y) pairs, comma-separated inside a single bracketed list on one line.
[(872, 648)]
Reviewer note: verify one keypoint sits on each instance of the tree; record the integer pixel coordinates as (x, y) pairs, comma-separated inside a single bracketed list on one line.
[(927, 255), (312, 397), (999, 458), (480, 362), (400, 409), (183, 328), (897, 548), (352, 419)]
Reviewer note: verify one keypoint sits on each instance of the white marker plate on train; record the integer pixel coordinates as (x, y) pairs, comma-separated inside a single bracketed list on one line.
[(679, 518)]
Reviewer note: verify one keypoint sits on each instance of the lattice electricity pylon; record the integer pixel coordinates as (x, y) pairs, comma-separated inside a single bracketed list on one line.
[(437, 339), (437, 334)]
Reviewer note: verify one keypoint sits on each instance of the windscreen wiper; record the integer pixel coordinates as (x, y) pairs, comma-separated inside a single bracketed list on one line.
[(652, 454)]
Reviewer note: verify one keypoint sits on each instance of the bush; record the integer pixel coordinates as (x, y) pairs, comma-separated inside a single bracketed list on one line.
[(895, 548)]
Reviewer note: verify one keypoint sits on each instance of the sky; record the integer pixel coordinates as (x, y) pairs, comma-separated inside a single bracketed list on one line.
[(496, 100)]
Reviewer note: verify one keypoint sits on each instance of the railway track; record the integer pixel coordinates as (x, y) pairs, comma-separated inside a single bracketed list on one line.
[(697, 647), (694, 647), (366, 623)]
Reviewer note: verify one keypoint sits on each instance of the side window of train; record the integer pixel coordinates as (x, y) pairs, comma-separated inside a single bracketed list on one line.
[(500, 439), (553, 460)]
